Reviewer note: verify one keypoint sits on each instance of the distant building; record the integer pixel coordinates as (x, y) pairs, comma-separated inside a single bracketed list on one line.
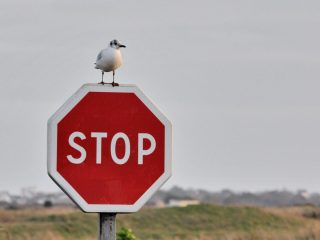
[(159, 204), (182, 202), (5, 199), (303, 193)]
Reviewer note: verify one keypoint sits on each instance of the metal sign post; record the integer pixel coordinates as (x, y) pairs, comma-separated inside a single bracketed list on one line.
[(107, 226)]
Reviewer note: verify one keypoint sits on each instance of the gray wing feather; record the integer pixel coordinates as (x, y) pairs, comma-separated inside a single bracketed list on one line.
[(99, 56)]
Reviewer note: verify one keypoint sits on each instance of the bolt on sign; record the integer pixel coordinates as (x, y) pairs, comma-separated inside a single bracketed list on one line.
[(109, 148)]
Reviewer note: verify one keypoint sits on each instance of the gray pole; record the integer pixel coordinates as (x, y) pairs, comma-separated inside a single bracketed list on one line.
[(107, 226)]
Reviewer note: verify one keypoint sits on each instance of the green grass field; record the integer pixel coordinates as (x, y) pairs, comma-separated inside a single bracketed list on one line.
[(201, 222)]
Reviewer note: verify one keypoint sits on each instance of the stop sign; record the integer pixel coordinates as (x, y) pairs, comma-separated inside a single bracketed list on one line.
[(109, 148)]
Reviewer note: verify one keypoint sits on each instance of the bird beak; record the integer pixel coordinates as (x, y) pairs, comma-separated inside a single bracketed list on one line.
[(122, 46)]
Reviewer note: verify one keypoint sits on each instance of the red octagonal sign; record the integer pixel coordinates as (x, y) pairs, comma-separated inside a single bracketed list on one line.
[(109, 148)]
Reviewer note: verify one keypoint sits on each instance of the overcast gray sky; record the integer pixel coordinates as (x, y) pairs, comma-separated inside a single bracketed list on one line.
[(238, 79)]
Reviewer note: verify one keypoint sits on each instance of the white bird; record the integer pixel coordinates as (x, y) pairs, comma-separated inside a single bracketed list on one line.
[(109, 59)]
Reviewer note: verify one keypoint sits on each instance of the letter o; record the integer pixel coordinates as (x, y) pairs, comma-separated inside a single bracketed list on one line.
[(114, 156)]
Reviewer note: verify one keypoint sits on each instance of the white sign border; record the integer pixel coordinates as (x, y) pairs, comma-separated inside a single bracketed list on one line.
[(52, 149)]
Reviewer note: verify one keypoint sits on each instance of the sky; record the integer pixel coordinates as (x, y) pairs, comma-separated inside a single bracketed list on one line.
[(239, 81)]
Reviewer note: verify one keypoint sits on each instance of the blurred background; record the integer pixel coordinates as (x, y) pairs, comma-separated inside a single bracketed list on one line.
[(239, 81)]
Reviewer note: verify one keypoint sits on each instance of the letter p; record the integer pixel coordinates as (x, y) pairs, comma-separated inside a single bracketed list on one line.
[(143, 152)]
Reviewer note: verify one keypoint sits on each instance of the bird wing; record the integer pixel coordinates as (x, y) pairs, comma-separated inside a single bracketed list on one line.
[(99, 56)]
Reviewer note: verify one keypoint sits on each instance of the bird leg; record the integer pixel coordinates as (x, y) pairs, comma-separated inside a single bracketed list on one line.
[(113, 83), (102, 82)]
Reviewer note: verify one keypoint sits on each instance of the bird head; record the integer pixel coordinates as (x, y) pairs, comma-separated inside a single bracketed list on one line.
[(115, 44)]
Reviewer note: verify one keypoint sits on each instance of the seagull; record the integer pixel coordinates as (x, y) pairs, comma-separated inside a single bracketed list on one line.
[(109, 59)]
